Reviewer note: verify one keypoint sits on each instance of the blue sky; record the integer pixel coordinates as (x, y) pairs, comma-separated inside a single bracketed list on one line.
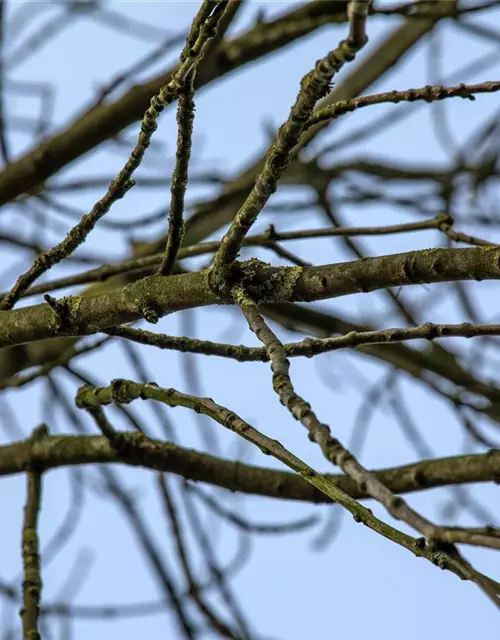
[(361, 584)]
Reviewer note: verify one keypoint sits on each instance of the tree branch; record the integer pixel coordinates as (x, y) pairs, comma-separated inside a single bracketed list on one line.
[(156, 296), (68, 450)]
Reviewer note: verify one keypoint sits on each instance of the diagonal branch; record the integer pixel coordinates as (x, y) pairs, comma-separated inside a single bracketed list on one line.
[(320, 433), (125, 391), (314, 86)]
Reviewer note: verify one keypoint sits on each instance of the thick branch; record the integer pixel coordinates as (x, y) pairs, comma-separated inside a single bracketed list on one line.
[(62, 451), (157, 296)]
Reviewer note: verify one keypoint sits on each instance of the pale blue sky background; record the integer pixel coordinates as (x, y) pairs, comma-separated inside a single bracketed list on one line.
[(361, 584)]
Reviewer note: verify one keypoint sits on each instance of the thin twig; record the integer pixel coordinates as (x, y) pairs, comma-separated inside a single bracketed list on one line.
[(239, 521), (266, 239), (32, 581), (428, 94), (308, 347), (314, 86), (178, 535), (185, 117)]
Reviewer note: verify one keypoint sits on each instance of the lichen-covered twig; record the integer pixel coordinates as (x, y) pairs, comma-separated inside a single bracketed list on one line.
[(309, 347), (434, 536), (32, 579), (314, 86), (266, 239), (185, 117), (428, 94), (125, 391)]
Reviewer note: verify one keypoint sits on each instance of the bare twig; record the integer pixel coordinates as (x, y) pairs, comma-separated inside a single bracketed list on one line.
[(32, 581), (428, 94)]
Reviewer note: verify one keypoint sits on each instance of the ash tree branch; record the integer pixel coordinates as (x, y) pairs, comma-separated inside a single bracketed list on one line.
[(69, 450), (335, 452), (388, 53), (319, 432), (147, 265), (103, 121), (124, 391), (156, 296)]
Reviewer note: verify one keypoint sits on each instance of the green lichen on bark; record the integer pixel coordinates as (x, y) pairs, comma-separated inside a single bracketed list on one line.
[(259, 282), (65, 313)]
